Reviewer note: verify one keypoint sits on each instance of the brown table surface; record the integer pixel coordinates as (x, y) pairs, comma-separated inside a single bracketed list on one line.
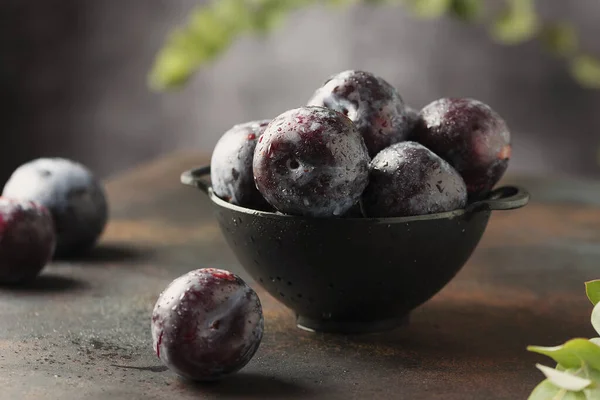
[(82, 331)]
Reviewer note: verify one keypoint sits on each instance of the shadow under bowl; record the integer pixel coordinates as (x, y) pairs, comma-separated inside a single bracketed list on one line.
[(353, 275)]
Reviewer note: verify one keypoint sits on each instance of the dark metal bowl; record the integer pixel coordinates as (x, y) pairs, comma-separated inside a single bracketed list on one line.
[(353, 274)]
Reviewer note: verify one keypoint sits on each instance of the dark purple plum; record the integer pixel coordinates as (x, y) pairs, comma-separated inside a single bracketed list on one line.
[(413, 116), (311, 161), (408, 179), (207, 324), (75, 198), (371, 103), (471, 136), (231, 166), (27, 240)]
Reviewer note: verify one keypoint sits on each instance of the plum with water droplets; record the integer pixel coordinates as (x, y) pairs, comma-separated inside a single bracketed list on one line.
[(311, 161), (407, 179), (371, 103), (231, 166), (207, 324), (469, 135)]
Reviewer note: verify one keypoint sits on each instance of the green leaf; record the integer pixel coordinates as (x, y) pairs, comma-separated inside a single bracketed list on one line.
[(596, 320), (342, 3), (210, 30), (593, 392), (517, 23), (467, 10), (592, 289), (564, 379), (572, 354), (586, 70), (429, 8), (559, 38), (546, 390)]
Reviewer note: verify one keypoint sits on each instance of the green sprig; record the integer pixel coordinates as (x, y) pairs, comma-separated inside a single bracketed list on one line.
[(211, 29), (577, 373), (517, 23)]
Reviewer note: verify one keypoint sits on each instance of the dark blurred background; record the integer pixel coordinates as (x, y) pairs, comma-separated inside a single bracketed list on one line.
[(73, 79)]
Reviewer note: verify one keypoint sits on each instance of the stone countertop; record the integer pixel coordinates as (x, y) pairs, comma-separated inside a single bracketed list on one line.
[(82, 330)]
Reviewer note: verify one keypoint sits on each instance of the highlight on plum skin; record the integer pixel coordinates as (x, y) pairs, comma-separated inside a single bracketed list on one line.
[(311, 161), (408, 179), (469, 135), (231, 166), (375, 107), (207, 324), (27, 240)]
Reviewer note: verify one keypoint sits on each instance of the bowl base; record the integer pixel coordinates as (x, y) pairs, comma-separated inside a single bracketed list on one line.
[(350, 327)]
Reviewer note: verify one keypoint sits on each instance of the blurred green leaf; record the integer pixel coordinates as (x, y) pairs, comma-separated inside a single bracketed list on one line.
[(559, 38), (546, 390), (596, 320), (210, 30), (565, 379), (467, 10), (517, 23), (586, 70), (549, 390), (343, 3), (268, 14), (592, 289), (429, 8), (592, 392), (572, 354)]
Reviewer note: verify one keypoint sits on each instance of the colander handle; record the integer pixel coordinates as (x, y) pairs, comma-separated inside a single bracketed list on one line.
[(503, 198), (194, 177)]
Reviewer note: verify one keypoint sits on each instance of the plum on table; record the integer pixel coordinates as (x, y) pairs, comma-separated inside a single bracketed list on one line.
[(75, 198), (407, 179), (311, 161), (207, 324), (231, 166), (371, 103), (27, 240), (469, 135)]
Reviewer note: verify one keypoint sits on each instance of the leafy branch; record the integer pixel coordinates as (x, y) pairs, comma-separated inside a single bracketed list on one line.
[(211, 29), (577, 373)]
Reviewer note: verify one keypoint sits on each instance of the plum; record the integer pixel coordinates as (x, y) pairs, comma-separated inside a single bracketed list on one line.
[(231, 166), (207, 324), (408, 179), (413, 117), (73, 195), (311, 161), (27, 240), (469, 135), (371, 103)]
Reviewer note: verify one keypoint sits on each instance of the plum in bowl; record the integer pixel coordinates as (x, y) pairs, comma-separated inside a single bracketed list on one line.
[(353, 275)]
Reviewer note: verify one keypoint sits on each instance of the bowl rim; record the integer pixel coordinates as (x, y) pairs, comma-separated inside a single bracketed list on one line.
[(268, 214), (502, 198)]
